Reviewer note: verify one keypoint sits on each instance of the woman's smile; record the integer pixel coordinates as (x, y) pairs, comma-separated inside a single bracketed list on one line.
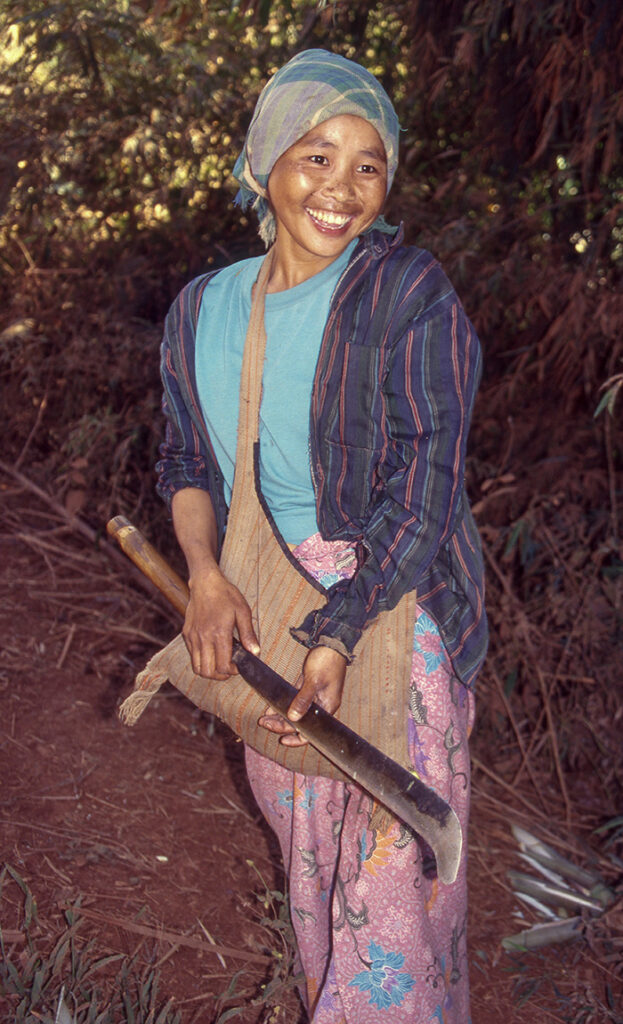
[(327, 220)]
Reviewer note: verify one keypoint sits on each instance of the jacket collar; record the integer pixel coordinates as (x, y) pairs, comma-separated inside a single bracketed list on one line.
[(378, 243), (372, 246)]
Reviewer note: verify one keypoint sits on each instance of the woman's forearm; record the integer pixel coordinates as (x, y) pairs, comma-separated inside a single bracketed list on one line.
[(195, 527)]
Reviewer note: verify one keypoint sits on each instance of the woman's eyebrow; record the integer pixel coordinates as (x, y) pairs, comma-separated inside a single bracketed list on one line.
[(319, 142), (374, 154)]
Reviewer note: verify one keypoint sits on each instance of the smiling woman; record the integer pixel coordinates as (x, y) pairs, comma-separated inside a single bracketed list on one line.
[(318, 402)]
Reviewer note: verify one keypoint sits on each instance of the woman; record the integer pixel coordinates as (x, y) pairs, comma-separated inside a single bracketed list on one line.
[(367, 493)]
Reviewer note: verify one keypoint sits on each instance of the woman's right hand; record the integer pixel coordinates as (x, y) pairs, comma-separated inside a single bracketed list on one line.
[(216, 611)]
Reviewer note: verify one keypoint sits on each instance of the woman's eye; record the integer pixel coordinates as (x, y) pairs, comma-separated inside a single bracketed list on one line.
[(368, 169), (318, 158)]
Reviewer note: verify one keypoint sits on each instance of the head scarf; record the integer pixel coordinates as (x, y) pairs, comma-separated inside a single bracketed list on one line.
[(311, 88)]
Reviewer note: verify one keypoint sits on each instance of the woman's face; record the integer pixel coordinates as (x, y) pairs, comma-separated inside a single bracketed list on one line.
[(325, 190)]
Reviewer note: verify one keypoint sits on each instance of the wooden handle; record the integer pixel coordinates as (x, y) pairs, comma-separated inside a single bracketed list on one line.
[(149, 561)]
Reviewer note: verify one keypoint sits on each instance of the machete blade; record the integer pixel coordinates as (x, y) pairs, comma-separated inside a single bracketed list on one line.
[(399, 790)]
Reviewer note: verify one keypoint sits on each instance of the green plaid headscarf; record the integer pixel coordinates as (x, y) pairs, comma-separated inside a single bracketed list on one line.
[(311, 88)]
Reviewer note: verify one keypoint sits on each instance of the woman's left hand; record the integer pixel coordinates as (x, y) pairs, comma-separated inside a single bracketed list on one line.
[(322, 682)]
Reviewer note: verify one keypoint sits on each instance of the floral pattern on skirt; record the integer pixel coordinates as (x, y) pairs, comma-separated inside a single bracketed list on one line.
[(379, 938)]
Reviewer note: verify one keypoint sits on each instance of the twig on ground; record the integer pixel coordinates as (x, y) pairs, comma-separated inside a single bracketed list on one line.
[(516, 730), (182, 940), (577, 619), (36, 540), (505, 785), (68, 642), (42, 407), (211, 940), (88, 837), (524, 628), (94, 537)]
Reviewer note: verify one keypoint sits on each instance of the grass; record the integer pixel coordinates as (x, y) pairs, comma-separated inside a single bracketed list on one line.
[(65, 980), (274, 1000), (70, 983)]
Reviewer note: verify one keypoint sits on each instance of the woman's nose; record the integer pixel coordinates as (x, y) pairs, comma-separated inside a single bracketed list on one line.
[(340, 184)]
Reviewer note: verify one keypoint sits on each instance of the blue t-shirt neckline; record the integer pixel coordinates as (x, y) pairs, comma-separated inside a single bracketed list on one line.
[(295, 319)]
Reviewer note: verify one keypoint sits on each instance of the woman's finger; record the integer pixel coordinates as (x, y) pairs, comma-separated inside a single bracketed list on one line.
[(244, 623), (304, 699)]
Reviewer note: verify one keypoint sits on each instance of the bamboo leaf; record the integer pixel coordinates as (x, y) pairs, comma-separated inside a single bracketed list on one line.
[(98, 965), (63, 1014), (228, 1015), (162, 1016), (608, 399), (515, 535), (609, 825), (18, 985), (59, 955), (37, 984), (18, 878)]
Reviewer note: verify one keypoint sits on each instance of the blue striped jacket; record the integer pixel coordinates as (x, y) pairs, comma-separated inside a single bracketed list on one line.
[(393, 393)]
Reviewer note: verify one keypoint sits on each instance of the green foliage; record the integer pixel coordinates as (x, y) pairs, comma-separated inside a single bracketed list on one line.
[(130, 120), (273, 999), (610, 390), (122, 119), (65, 980), (119, 119), (119, 125)]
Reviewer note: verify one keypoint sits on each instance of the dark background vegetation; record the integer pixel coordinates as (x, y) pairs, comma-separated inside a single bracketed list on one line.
[(119, 125)]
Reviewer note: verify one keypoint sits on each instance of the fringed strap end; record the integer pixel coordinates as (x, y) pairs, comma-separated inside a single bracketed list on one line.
[(147, 684)]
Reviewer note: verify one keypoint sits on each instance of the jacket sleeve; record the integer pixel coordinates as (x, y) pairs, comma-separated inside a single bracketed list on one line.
[(428, 390), (183, 456)]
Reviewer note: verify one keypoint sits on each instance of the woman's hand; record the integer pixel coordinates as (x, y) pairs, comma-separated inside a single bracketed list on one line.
[(215, 611), (322, 682), (216, 607)]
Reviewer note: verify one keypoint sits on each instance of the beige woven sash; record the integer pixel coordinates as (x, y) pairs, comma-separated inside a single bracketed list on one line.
[(255, 559)]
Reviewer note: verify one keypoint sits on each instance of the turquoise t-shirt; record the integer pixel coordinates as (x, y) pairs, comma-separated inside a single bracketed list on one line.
[(294, 321)]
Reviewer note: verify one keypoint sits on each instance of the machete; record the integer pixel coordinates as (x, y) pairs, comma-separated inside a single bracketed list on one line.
[(389, 783)]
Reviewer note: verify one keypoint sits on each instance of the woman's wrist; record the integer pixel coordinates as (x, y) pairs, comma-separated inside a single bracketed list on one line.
[(203, 573), (334, 644)]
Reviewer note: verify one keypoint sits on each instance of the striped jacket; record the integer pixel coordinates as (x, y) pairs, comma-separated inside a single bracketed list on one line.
[(395, 381)]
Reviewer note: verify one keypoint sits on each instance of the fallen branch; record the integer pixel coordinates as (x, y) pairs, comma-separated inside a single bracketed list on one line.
[(179, 940), (94, 537)]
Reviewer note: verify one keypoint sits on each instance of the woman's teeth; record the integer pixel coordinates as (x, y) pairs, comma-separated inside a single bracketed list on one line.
[(337, 220)]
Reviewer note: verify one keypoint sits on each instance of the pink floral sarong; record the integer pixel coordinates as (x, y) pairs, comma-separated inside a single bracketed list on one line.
[(380, 939)]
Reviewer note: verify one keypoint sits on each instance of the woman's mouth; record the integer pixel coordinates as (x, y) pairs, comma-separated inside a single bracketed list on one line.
[(329, 221)]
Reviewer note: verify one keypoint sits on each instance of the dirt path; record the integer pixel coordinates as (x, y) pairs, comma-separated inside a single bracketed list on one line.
[(153, 831)]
